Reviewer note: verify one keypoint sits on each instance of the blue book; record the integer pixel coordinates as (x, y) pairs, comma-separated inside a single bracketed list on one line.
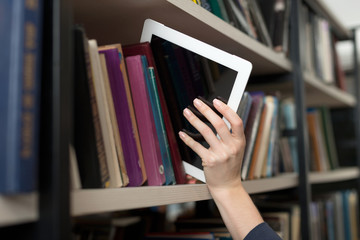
[(20, 52), (159, 122)]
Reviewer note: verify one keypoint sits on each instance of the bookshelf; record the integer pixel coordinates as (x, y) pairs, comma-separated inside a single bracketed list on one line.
[(54, 205), (105, 200), (18, 209)]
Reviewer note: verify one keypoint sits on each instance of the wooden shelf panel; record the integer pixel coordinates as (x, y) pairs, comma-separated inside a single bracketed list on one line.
[(94, 201), (122, 21), (17, 209), (284, 181), (317, 93), (337, 175), (320, 94)]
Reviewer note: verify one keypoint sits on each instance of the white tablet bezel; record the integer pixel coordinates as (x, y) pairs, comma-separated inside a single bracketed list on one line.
[(238, 64)]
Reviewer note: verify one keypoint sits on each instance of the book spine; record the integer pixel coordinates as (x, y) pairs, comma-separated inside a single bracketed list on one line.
[(148, 138), (21, 80), (104, 171), (128, 140), (160, 127)]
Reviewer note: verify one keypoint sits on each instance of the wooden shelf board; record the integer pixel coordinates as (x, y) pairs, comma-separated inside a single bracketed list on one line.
[(320, 94), (17, 209), (283, 181), (317, 93), (115, 18), (337, 175), (94, 201)]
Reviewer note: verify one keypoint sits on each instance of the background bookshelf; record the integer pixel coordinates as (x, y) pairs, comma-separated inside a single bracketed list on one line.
[(52, 208)]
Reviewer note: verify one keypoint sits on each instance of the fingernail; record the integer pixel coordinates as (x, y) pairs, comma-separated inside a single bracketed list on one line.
[(197, 102), (187, 112), (217, 102), (182, 134)]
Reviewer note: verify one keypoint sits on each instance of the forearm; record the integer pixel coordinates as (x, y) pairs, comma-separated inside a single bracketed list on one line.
[(237, 210)]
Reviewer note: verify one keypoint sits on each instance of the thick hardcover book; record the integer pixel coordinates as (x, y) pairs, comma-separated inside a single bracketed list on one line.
[(20, 52), (116, 133), (159, 122), (104, 115), (145, 120), (121, 105), (145, 49), (87, 134), (131, 106)]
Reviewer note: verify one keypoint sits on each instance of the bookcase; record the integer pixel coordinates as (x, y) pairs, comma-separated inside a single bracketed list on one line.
[(48, 212)]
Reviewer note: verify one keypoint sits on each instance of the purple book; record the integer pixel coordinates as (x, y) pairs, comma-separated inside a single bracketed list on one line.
[(144, 117), (121, 106)]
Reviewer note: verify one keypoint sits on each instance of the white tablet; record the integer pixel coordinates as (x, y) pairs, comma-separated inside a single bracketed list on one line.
[(232, 77)]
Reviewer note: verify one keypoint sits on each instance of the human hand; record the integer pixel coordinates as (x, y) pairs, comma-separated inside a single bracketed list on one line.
[(222, 160)]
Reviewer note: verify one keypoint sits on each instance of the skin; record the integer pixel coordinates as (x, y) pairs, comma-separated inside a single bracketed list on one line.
[(222, 164)]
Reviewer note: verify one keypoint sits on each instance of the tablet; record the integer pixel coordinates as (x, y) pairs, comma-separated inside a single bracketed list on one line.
[(229, 77)]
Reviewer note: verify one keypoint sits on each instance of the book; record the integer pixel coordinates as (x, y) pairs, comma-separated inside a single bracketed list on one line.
[(131, 106), (288, 121), (251, 130), (116, 133), (244, 107), (329, 137), (265, 136), (145, 49), (105, 118), (145, 120), (123, 117), (88, 141), (257, 144), (20, 73), (159, 122), (271, 157), (317, 144), (259, 23)]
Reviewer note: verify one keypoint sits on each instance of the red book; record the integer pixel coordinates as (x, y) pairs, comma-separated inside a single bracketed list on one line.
[(145, 49), (146, 125)]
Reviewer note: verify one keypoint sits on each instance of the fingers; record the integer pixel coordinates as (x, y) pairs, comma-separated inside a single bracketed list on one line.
[(194, 145), (233, 118), (220, 126), (203, 129)]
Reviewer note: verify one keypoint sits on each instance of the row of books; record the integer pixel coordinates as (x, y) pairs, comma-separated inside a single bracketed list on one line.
[(323, 153), (334, 216), (128, 110), (321, 58), (269, 152), (264, 20)]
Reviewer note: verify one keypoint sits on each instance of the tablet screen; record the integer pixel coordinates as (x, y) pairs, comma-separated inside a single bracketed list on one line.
[(184, 76)]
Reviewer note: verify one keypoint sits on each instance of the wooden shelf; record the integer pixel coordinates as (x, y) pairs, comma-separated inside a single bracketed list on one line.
[(321, 94), (113, 18), (94, 201), (337, 175), (17, 209), (317, 93)]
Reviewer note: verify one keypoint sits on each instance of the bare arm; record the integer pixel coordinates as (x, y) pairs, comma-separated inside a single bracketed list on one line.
[(222, 164)]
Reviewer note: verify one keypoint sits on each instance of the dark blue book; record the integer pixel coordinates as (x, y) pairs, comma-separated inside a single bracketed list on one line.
[(20, 52)]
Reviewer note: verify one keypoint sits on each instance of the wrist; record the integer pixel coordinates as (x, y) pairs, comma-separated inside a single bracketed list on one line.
[(223, 191)]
